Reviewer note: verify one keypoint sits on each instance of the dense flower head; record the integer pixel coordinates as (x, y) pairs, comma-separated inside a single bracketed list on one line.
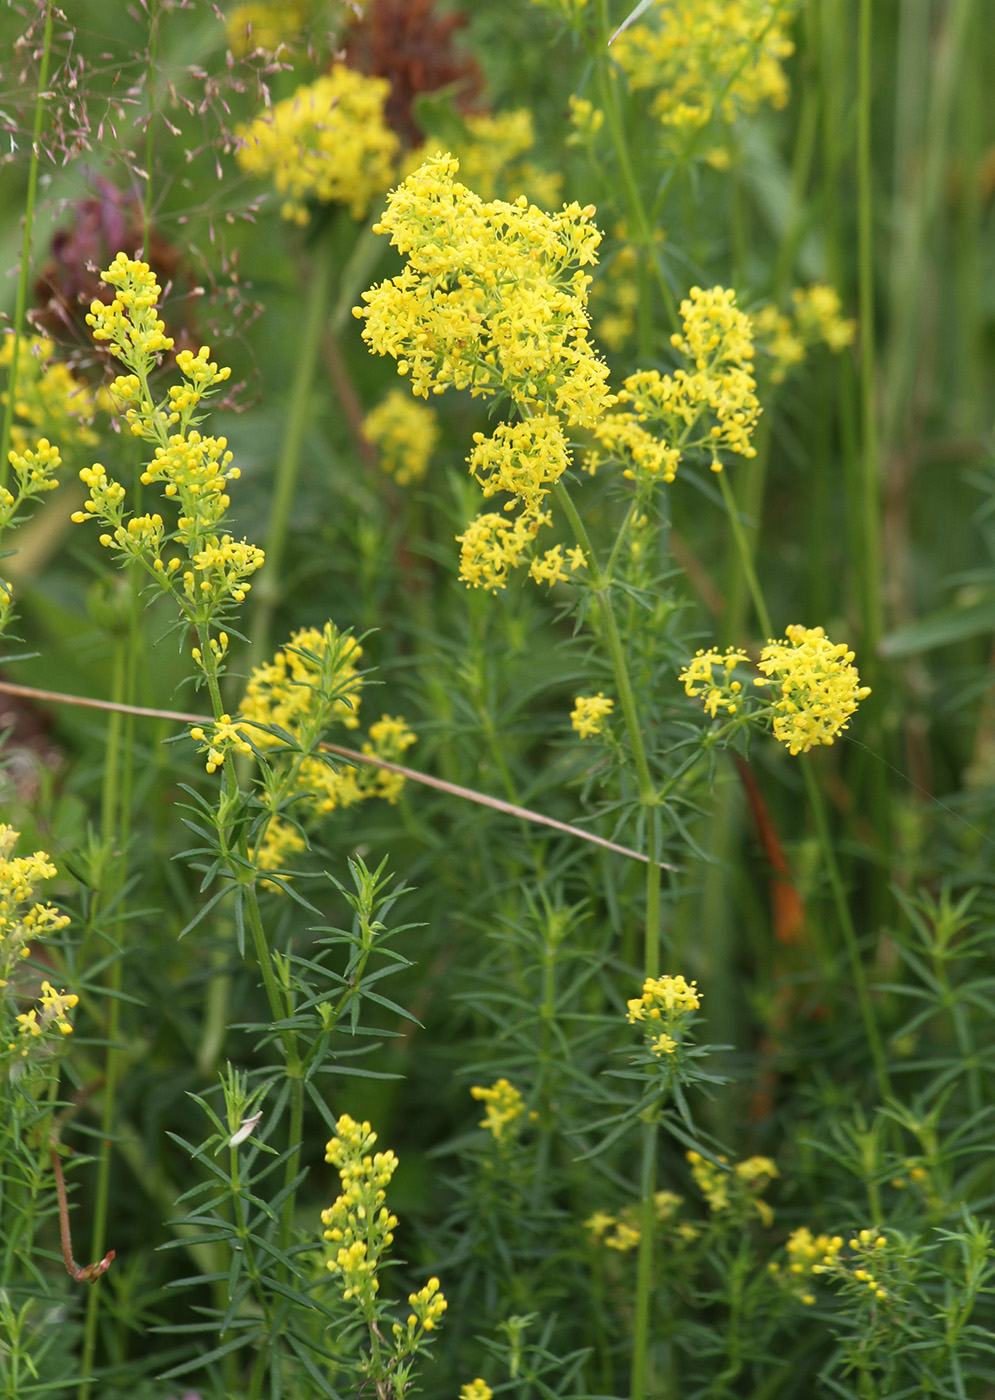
[(208, 570), (318, 670), (710, 675), (329, 142), (358, 1226), (405, 433), (816, 316), (492, 545), (665, 1010), (707, 61), (50, 1012), (523, 459), (35, 471), (709, 405), (817, 687), (475, 1390), (735, 1190), (551, 566), (807, 1256), (589, 714), (493, 297), (130, 324), (504, 1111), (22, 920), (225, 738), (48, 396), (269, 25)]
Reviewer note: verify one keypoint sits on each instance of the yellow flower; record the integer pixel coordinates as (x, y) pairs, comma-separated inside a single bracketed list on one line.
[(406, 432), (736, 1190), (475, 1390), (720, 691), (505, 1109), (492, 298), (261, 25), (707, 60), (330, 142), (818, 687), (588, 713), (523, 459), (48, 396), (492, 545)]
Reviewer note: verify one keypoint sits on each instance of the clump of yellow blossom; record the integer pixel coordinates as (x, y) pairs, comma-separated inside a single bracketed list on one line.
[(47, 396), (475, 1390), (359, 1228), (493, 149), (707, 62), (405, 434), (329, 143), (492, 297), (504, 1111), (735, 1190), (289, 704), (710, 405), (586, 120), (817, 316), (24, 922), (817, 687), (589, 714), (622, 1232), (665, 1010), (710, 675), (808, 1255), (269, 25), (194, 469)]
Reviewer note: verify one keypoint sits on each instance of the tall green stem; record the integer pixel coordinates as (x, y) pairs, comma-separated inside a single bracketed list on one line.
[(871, 578), (267, 591), (24, 275), (847, 929), (745, 554)]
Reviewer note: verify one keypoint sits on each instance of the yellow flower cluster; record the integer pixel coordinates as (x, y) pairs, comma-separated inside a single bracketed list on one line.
[(504, 1109), (707, 61), (225, 738), (493, 158), (586, 120), (493, 298), (328, 143), (621, 1232), (818, 687), (870, 1247), (266, 24), (47, 395), (406, 434), (35, 473), (310, 684), (359, 1226), (735, 1190), (194, 469), (52, 1008), (808, 1255), (711, 405), (710, 675), (360, 1229), (589, 714), (475, 1390), (20, 925), (551, 566), (664, 1009), (817, 316)]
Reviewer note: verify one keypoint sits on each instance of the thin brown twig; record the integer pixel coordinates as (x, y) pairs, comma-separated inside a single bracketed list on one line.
[(482, 799), (81, 1273)]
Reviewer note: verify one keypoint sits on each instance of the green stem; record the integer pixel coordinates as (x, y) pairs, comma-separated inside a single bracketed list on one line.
[(871, 578), (745, 554), (111, 821), (847, 929), (267, 590), (21, 300), (644, 1263), (150, 74)]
